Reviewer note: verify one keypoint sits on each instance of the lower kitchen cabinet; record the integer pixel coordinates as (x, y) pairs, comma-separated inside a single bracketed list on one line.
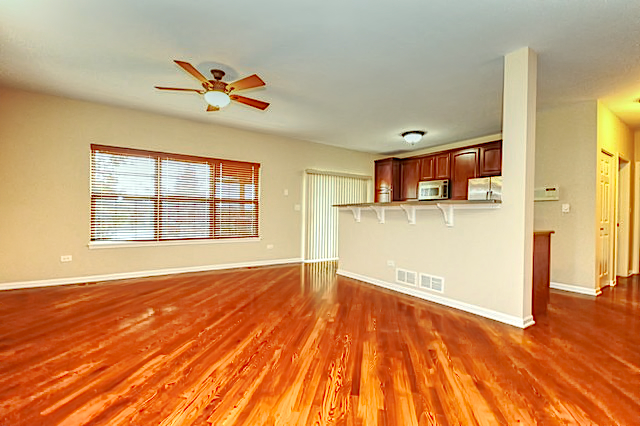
[(541, 273)]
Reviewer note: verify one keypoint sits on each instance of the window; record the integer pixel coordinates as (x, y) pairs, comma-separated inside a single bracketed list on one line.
[(153, 196)]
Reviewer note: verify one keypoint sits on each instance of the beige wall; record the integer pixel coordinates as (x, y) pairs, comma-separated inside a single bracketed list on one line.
[(475, 256), (44, 186), (569, 140), (566, 149), (485, 258), (616, 138)]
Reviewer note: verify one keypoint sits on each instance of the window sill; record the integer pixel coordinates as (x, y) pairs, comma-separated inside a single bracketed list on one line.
[(129, 244)]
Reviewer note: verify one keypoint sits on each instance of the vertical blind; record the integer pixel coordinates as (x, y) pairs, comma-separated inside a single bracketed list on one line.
[(152, 196), (323, 191)]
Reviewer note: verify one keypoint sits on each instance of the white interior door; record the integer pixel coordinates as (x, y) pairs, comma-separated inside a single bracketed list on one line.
[(605, 260)]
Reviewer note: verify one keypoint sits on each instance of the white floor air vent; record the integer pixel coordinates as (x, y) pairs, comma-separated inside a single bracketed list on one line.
[(431, 282), (406, 277)]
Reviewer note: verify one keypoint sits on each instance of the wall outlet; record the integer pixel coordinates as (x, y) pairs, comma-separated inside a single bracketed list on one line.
[(286, 192), (297, 207), (566, 208), (66, 258), (391, 263), (269, 246)]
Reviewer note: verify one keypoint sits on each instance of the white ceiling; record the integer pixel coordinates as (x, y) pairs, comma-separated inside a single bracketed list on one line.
[(350, 73)]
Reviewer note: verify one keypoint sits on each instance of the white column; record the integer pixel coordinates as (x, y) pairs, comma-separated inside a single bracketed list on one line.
[(518, 164)]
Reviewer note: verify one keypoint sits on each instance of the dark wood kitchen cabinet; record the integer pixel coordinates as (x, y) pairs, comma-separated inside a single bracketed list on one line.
[(410, 178), (427, 168), (442, 166), (388, 180), (491, 159), (435, 167), (397, 179), (464, 166), (541, 273)]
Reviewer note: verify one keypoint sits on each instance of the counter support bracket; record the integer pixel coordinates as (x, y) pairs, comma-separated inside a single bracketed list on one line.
[(411, 213), (379, 212), (447, 213), (357, 213)]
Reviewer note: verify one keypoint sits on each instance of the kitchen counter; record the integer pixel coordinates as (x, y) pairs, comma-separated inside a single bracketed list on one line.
[(420, 203), (446, 206)]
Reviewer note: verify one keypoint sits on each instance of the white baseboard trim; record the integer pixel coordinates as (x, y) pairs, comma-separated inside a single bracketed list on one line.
[(142, 274), (451, 303), (575, 289)]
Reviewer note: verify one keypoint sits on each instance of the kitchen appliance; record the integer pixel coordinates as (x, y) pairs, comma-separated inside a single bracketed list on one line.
[(433, 189), (487, 188)]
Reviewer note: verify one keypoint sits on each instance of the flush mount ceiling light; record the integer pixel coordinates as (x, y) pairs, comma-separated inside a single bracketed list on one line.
[(413, 136), (217, 98)]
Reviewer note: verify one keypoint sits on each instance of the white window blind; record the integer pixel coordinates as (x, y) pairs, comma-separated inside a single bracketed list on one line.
[(151, 196), (323, 191)]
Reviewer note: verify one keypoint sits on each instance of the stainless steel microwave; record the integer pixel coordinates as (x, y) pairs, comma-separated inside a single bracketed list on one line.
[(433, 189)]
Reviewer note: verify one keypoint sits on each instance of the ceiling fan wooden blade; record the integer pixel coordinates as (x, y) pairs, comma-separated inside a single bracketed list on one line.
[(246, 83), (180, 89), (194, 72), (212, 108), (251, 102)]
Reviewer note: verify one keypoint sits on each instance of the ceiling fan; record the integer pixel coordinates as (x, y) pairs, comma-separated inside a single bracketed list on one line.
[(217, 93)]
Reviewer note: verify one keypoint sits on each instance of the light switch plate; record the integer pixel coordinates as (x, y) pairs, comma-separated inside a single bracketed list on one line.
[(566, 208)]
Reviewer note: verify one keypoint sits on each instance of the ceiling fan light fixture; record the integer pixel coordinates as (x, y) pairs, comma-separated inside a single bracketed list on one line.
[(217, 98), (413, 136)]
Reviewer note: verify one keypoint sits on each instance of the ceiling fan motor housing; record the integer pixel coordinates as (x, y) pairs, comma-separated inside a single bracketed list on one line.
[(217, 85)]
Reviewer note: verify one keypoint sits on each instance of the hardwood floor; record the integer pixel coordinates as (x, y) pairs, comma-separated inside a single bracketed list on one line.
[(294, 345)]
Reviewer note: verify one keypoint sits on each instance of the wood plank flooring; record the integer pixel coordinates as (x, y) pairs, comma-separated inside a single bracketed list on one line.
[(296, 345)]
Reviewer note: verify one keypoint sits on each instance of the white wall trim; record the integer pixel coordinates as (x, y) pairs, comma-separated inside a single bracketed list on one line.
[(575, 289), (473, 309), (142, 274), (128, 244)]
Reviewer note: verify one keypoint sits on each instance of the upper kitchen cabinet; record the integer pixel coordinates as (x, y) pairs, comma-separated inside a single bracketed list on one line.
[(410, 177), (464, 166), (442, 166), (388, 180), (397, 179), (427, 168), (491, 159), (435, 166)]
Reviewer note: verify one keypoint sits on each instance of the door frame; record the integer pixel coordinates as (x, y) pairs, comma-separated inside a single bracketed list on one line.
[(611, 265), (635, 251), (623, 227)]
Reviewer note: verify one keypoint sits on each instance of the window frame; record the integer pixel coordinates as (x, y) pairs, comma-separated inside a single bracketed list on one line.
[(244, 169)]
